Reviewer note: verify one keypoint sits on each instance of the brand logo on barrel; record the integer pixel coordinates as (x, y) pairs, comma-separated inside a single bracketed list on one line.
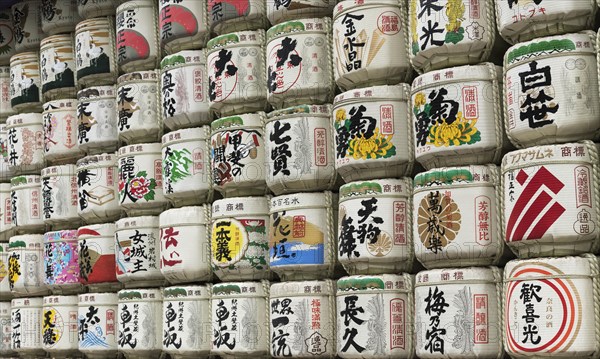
[(534, 202), (438, 221), (6, 35), (432, 33), (285, 66), (223, 76)]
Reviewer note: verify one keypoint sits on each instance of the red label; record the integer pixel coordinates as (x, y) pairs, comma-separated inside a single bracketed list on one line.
[(320, 147), (399, 222), (158, 172), (198, 90), (470, 103), (474, 9), (110, 322), (197, 159), (299, 227), (481, 318), (482, 220), (389, 23), (386, 116), (397, 326), (35, 204), (7, 211), (583, 187)]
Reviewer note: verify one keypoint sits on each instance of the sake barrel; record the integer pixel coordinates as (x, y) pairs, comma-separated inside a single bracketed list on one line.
[(185, 244), (458, 312), (549, 307), (451, 34), (237, 154), (59, 196), (26, 204), (97, 324), (239, 239), (96, 255), (5, 88), (5, 329), (61, 262), (138, 107), (302, 319), (137, 247), (456, 217), (183, 25), (59, 325), (300, 149), (25, 86), (26, 322), (59, 16), (299, 66), (186, 318), (6, 226), (375, 316), (97, 120), (523, 21), (235, 66), (550, 85), (371, 133), (550, 200), (95, 52), (5, 172), (60, 131), (302, 235), (4, 277), (240, 311), (183, 86), (140, 323), (457, 116), (57, 66), (280, 11), (96, 8), (7, 34), (26, 265), (227, 16), (98, 191), (27, 22), (140, 179), (186, 166), (25, 142), (374, 233), (370, 43), (137, 36)]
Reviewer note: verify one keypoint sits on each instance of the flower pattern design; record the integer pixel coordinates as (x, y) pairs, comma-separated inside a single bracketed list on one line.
[(137, 188), (438, 221), (359, 140)]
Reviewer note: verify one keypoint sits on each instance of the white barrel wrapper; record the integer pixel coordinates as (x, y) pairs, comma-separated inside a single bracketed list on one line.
[(300, 149), (25, 84), (97, 257), (302, 235), (371, 133), (5, 107), (278, 11), (97, 119), (26, 203), (59, 16), (8, 35), (137, 36), (456, 218), (4, 275), (375, 316), (97, 324), (5, 172), (187, 323), (5, 328), (224, 16), (26, 321), (59, 196), (240, 319), (26, 265), (183, 25), (237, 152), (239, 239), (95, 54), (457, 116), (303, 319), (25, 143), (551, 89), (98, 191), (57, 66), (26, 16), (185, 244), (140, 323), (550, 307), (235, 66), (59, 325), (6, 226), (550, 200), (375, 226), (60, 132)]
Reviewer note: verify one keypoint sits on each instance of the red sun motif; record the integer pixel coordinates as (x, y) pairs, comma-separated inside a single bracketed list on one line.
[(135, 41), (180, 16)]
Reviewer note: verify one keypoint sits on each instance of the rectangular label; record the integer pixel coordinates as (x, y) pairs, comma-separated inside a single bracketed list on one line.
[(320, 147), (482, 220), (397, 323), (474, 9), (480, 318), (470, 102), (386, 115), (198, 93), (583, 186), (399, 222)]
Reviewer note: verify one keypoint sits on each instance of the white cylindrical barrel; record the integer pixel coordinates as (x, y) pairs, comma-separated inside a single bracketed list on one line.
[(5, 292), (59, 325), (97, 324), (61, 262), (137, 36), (25, 143), (97, 8), (98, 191), (280, 11), (26, 321), (97, 120), (25, 84), (140, 323), (59, 16), (27, 22), (7, 34), (97, 257), (59, 196), (26, 265), (95, 53), (224, 17), (5, 329), (5, 88), (60, 132), (26, 204), (6, 173), (183, 25), (6, 226), (57, 66)]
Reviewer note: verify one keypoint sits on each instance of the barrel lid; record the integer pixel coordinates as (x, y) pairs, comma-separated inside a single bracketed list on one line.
[(248, 120), (241, 289), (50, 300), (399, 92), (193, 215), (24, 119), (22, 241), (187, 292), (96, 230), (133, 5), (134, 295), (303, 288), (100, 22), (370, 283), (25, 56), (456, 176), (98, 299), (237, 38), (376, 187), (558, 45), (348, 5), (61, 236), (58, 171), (137, 222), (68, 104), (97, 92), (534, 156), (26, 302), (300, 112), (151, 75), (181, 58), (186, 134), (458, 275), (235, 206), (304, 200), (55, 40), (102, 160), (322, 25), (538, 268), (482, 72), (25, 181), (140, 148)]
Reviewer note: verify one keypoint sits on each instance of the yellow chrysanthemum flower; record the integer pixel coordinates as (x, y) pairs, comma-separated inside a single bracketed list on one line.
[(454, 134), (420, 99), (373, 147), (340, 115)]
